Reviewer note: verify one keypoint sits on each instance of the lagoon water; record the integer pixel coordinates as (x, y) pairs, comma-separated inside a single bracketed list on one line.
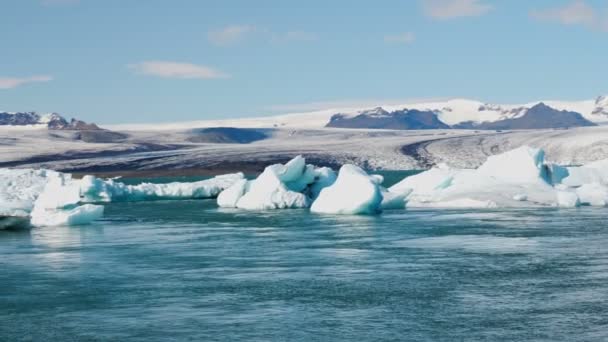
[(186, 270)]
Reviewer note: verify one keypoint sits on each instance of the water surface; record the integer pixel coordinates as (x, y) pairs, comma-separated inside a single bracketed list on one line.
[(185, 270)]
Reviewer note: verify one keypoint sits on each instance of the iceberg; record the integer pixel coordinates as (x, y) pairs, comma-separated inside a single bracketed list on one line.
[(353, 192), (95, 190), (58, 204), (516, 178), (567, 199), (591, 173), (289, 186), (593, 194), (19, 189)]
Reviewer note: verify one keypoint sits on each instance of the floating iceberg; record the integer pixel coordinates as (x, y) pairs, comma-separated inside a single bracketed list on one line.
[(292, 185), (517, 178), (353, 192), (58, 204), (19, 189), (94, 190), (49, 198)]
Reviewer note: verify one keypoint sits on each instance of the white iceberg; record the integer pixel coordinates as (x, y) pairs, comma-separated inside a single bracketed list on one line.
[(353, 192), (19, 189), (94, 190), (591, 173), (593, 194), (567, 199), (292, 185), (58, 204), (513, 179), (230, 196)]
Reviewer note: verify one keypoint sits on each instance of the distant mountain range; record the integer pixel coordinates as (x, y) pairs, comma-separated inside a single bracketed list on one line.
[(380, 118), (456, 113), (52, 121), (539, 116)]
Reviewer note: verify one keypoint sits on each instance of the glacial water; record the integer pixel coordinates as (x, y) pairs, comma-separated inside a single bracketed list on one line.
[(186, 270)]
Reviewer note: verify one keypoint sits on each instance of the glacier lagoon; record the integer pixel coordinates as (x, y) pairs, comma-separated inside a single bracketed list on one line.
[(178, 270)]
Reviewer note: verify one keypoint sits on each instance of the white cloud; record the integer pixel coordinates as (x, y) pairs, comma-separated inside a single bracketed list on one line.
[(236, 33), (400, 38), (578, 12), (13, 82), (167, 69), (447, 9), (231, 34)]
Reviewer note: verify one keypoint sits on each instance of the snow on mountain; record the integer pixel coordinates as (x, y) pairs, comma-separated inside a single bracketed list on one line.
[(450, 112), (593, 110), (52, 121)]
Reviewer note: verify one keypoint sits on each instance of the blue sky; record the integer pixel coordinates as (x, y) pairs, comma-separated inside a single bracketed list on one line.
[(123, 61)]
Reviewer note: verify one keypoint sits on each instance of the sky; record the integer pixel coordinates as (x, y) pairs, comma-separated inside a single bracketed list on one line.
[(128, 61)]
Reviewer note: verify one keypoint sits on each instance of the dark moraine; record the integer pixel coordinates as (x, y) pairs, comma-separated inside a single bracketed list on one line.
[(226, 135)]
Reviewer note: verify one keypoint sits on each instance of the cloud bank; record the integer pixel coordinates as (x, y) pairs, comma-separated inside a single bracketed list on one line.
[(13, 82), (448, 9), (576, 13), (167, 69)]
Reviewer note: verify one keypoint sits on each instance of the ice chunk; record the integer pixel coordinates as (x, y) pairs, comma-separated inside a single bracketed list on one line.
[(567, 199), (499, 182), (324, 177), (391, 200), (595, 172), (558, 173), (96, 190), (292, 185), (353, 192), (19, 188), (594, 194), (58, 204), (229, 197), (269, 192), (522, 165), (520, 197), (426, 182), (78, 215)]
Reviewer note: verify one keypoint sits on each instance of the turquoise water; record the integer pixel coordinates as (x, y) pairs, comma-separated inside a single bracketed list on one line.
[(185, 270)]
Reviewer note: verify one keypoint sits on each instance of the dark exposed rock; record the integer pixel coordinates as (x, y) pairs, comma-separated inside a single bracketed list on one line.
[(226, 135), (379, 118), (540, 116)]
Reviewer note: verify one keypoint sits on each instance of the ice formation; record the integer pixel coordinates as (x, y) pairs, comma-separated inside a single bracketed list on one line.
[(19, 190), (292, 185), (58, 204), (96, 190), (353, 192), (49, 198), (517, 178)]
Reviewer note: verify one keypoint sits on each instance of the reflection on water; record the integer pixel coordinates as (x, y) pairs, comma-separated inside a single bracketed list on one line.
[(184, 270)]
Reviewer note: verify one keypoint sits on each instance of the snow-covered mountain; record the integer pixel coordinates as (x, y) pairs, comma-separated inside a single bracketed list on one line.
[(380, 118), (451, 112), (51, 121)]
